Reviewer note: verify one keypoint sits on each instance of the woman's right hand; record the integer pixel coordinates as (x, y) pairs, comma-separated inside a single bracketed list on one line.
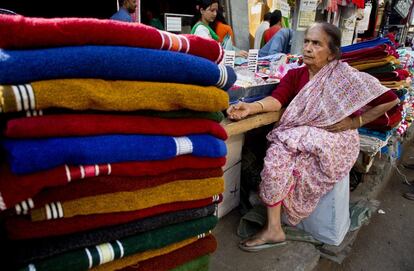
[(239, 111)]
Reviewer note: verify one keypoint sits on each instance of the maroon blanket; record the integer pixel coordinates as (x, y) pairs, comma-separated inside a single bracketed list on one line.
[(19, 227), (389, 120), (379, 51), (396, 75), (18, 32), (84, 125), (17, 188)]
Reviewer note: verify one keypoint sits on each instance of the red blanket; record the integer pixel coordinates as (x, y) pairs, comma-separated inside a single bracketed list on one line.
[(18, 32), (84, 125), (388, 121), (111, 184), (178, 257), (379, 51), (19, 227), (17, 188), (396, 75)]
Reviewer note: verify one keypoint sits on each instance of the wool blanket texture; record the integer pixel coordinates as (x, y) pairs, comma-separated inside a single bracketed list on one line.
[(395, 84), (389, 67), (182, 190), (27, 251), (111, 184), (302, 162), (17, 190), (112, 63), (396, 75), (20, 227), (364, 65), (32, 155), (105, 95), (177, 257), (199, 264), (143, 256), (86, 258), (382, 50), (365, 44), (97, 124), (19, 32)]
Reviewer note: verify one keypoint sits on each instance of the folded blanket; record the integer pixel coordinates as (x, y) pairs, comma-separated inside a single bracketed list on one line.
[(28, 251), (20, 227), (385, 68), (199, 264), (364, 65), (97, 124), (177, 257), (185, 190), (395, 84), (111, 184), (365, 44), (31, 155), (16, 189), (86, 258), (20, 32), (83, 94), (381, 50), (113, 63)]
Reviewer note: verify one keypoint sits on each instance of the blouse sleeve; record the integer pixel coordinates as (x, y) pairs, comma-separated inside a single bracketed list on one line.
[(285, 91), (202, 31)]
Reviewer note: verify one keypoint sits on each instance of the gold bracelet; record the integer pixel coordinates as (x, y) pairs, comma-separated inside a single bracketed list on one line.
[(360, 121), (261, 104)]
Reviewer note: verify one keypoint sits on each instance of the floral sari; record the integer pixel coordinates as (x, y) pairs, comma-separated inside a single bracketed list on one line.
[(304, 161)]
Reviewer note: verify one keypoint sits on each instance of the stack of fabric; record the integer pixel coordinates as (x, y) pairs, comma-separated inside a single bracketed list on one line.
[(119, 164)]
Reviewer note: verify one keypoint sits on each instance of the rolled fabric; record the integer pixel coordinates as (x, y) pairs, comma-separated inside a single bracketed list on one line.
[(38, 249), (32, 155), (100, 124), (177, 257), (20, 227), (183, 190), (112, 63), (86, 258), (105, 95), (19, 32), (16, 190)]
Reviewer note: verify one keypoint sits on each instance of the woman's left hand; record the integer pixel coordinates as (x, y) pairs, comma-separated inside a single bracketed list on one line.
[(343, 125)]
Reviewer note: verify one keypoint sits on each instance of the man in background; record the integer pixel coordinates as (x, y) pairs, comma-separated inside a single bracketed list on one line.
[(127, 7)]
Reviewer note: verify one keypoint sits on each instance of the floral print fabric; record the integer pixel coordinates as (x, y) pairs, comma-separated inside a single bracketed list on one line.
[(304, 161)]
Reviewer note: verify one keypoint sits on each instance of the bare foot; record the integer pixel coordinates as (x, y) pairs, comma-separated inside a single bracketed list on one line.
[(266, 236)]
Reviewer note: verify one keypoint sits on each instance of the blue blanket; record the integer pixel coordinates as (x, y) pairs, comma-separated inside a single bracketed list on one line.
[(113, 63), (32, 155), (365, 44)]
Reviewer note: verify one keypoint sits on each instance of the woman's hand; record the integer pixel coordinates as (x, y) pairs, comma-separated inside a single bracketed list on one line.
[(242, 53), (239, 111), (343, 125)]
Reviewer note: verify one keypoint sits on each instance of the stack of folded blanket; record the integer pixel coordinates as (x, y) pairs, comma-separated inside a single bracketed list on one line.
[(113, 144)]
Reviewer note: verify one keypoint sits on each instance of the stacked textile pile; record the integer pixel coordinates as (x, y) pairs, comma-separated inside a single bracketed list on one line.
[(119, 166)]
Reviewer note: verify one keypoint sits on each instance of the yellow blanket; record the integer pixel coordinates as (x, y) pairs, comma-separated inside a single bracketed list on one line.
[(368, 64), (183, 190), (82, 94)]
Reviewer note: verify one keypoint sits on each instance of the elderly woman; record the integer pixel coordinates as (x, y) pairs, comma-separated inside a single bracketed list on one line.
[(316, 142)]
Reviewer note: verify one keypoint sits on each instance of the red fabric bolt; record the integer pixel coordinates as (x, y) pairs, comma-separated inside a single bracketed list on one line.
[(20, 32), (19, 227), (178, 257), (84, 125), (16, 188)]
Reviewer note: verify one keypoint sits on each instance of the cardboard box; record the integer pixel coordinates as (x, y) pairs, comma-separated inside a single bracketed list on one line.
[(231, 195), (234, 150)]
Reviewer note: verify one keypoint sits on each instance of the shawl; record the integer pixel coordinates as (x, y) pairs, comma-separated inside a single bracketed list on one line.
[(20, 227), (100, 124), (20, 32), (37, 249), (15, 189), (112, 63), (31, 155), (103, 95), (182, 190), (110, 184), (304, 161), (86, 258), (177, 257)]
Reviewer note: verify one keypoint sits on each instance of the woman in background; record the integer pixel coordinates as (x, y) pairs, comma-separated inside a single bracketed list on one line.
[(205, 15)]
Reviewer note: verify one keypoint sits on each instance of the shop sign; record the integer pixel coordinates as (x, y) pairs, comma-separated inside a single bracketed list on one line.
[(403, 7)]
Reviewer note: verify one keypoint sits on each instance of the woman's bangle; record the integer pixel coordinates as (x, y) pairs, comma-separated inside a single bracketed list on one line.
[(261, 104), (360, 121)]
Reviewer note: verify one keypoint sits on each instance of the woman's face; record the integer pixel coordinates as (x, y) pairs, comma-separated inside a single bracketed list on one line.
[(316, 52), (209, 14)]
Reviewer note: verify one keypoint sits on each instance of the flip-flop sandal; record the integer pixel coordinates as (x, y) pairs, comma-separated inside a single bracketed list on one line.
[(260, 247)]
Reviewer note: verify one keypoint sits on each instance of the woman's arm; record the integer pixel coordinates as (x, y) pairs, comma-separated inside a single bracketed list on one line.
[(241, 110)]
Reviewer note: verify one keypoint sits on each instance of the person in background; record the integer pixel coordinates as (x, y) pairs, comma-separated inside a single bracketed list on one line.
[(280, 43), (258, 36), (153, 20), (392, 32), (127, 7), (316, 143), (206, 12), (275, 26)]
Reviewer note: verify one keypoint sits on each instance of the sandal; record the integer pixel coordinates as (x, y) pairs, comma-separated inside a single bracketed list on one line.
[(265, 245)]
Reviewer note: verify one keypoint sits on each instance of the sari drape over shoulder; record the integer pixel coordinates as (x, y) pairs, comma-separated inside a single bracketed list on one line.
[(304, 161)]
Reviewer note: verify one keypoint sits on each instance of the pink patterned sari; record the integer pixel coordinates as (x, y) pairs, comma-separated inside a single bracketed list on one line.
[(304, 161)]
